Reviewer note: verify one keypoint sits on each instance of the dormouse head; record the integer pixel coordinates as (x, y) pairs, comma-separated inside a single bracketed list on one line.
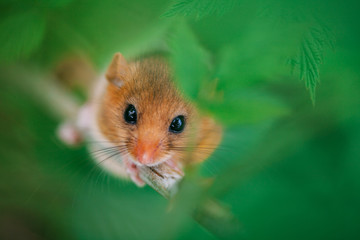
[(144, 114)]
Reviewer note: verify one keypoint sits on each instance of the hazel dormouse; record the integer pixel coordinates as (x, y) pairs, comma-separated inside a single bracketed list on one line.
[(136, 116)]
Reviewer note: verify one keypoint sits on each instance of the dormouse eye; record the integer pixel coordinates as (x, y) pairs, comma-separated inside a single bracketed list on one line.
[(130, 114), (177, 125)]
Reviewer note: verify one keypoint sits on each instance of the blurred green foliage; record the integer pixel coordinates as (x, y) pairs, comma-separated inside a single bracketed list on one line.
[(288, 167)]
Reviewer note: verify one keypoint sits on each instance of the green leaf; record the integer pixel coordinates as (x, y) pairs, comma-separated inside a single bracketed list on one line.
[(258, 56), (199, 8), (310, 56), (245, 107), (21, 35), (190, 61)]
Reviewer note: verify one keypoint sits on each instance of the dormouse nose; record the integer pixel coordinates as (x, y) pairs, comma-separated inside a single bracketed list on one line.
[(147, 151)]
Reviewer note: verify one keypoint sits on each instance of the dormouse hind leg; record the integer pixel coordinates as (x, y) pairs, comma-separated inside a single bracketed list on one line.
[(68, 133), (73, 132)]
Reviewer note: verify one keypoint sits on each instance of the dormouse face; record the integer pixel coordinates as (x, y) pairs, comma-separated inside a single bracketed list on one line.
[(144, 114)]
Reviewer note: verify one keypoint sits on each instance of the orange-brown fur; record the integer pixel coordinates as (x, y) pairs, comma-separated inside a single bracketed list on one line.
[(147, 84)]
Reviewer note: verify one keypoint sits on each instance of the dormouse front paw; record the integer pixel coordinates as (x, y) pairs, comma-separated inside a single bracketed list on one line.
[(133, 172)]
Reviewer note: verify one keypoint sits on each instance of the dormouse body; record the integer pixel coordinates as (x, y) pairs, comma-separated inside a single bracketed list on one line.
[(141, 117)]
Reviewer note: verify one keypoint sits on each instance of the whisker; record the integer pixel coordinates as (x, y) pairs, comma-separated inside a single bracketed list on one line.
[(108, 148)]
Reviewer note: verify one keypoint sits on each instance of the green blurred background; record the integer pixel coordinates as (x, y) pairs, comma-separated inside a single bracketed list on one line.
[(289, 164)]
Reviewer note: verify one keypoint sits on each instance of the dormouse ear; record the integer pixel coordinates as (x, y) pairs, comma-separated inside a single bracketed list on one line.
[(118, 70), (209, 137)]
